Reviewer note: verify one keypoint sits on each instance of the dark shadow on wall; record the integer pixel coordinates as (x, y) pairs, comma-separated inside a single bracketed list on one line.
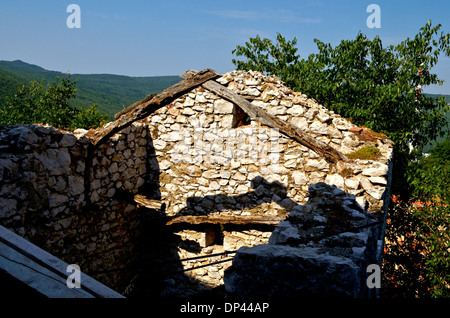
[(160, 270)]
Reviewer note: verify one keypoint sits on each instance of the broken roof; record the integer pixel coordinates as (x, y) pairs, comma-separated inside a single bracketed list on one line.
[(207, 79)]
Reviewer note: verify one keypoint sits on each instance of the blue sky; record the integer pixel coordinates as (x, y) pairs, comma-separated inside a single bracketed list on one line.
[(148, 38)]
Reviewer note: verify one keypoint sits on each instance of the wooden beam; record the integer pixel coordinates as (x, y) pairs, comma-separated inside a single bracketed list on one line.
[(43, 272), (256, 113), (224, 219), (134, 106), (148, 105), (148, 203)]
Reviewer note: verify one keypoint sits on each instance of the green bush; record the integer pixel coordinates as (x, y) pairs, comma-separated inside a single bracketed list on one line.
[(434, 233), (429, 180), (49, 104)]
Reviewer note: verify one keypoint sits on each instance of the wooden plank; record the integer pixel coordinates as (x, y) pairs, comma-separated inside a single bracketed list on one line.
[(256, 113), (148, 203), (39, 259), (36, 276), (224, 219), (148, 105), (133, 106)]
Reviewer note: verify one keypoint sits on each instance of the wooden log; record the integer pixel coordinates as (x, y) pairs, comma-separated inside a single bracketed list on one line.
[(224, 219), (256, 113), (148, 203), (148, 105)]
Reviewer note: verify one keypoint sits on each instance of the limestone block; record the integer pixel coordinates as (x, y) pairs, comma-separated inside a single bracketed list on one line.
[(68, 140), (335, 179), (352, 184), (311, 113), (300, 122), (376, 171), (323, 117), (214, 185), (313, 164), (76, 185), (223, 107), (277, 111), (251, 92), (296, 110), (300, 178), (378, 180), (318, 128), (188, 111), (228, 121), (376, 193), (7, 207), (56, 199), (159, 144), (189, 101), (210, 174)]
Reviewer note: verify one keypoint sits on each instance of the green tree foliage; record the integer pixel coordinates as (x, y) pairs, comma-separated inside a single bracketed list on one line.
[(262, 55), (49, 104), (429, 180), (429, 177)]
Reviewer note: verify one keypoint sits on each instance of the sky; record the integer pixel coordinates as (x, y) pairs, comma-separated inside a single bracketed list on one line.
[(152, 38)]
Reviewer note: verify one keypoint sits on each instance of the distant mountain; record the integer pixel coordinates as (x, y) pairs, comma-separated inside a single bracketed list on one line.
[(112, 93)]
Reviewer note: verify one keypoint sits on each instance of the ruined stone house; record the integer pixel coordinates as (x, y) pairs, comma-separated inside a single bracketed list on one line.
[(185, 178)]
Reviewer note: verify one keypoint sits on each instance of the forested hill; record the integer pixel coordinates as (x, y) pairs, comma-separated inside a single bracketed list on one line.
[(111, 92)]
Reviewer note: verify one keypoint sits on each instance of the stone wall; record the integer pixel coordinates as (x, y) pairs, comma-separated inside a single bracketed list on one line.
[(212, 160), (62, 196), (323, 249), (199, 156)]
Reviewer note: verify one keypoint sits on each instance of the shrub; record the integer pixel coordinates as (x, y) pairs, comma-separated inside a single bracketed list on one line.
[(367, 153), (49, 105)]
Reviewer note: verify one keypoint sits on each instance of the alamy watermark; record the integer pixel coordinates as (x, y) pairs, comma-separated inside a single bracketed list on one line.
[(374, 279), (74, 19), (74, 279), (374, 19)]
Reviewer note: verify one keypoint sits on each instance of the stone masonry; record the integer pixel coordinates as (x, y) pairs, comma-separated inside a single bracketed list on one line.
[(200, 155)]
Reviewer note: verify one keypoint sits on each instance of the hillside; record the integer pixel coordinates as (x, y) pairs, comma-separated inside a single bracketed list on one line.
[(111, 92)]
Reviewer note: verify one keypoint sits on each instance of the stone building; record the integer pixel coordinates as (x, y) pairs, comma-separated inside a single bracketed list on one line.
[(183, 179)]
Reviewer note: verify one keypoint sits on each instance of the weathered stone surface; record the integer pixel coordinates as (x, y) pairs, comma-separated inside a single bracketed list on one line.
[(299, 178), (376, 172), (306, 258), (76, 185), (223, 107), (284, 271)]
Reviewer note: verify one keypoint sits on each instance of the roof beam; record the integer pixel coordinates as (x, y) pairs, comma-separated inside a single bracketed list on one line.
[(148, 105)]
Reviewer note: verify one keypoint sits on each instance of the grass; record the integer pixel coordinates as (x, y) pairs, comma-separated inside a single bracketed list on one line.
[(366, 153)]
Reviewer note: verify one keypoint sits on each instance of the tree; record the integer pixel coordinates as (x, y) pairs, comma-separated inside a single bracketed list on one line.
[(264, 56), (49, 104)]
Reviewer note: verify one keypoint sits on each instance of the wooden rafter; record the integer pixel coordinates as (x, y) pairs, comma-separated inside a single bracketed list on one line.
[(145, 107)]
